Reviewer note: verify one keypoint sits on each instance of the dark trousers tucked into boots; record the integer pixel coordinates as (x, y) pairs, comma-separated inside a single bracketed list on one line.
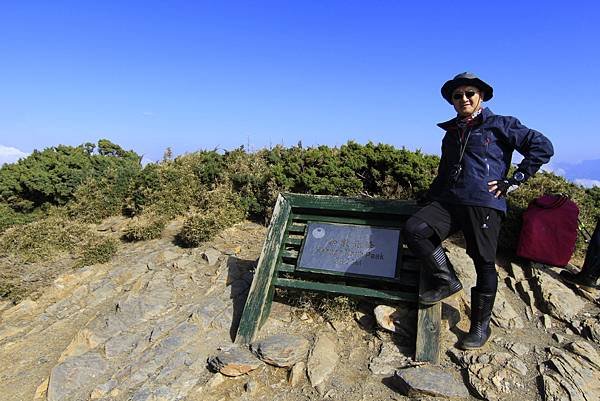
[(481, 315), (590, 271), (444, 281)]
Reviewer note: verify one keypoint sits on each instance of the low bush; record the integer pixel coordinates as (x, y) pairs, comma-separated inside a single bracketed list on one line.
[(43, 239), (351, 170), (98, 250), (172, 187), (251, 178), (198, 228), (594, 195), (219, 209), (51, 176), (100, 197), (9, 217), (145, 227), (95, 183)]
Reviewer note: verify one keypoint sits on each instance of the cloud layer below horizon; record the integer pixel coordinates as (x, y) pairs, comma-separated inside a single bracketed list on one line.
[(10, 155)]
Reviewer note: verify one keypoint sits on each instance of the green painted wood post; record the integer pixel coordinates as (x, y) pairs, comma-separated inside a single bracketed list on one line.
[(258, 303), (428, 326)]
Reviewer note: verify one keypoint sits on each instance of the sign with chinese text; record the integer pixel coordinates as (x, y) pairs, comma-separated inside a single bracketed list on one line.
[(347, 248)]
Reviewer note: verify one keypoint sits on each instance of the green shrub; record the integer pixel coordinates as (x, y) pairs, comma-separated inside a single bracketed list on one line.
[(98, 250), (173, 187), (220, 208), (101, 197), (145, 227), (351, 170), (211, 187), (387, 171), (251, 179), (168, 188), (9, 217), (594, 196), (198, 228), (52, 175)]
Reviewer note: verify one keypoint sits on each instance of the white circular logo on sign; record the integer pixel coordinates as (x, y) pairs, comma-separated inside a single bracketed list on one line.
[(318, 232)]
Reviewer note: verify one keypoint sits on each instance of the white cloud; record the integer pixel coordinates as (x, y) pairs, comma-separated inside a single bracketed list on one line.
[(146, 161), (586, 182), (10, 155), (554, 169)]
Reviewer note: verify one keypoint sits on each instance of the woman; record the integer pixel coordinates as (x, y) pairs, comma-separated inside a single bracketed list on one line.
[(468, 194)]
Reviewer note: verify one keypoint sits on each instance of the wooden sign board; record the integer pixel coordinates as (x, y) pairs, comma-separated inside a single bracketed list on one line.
[(340, 246)]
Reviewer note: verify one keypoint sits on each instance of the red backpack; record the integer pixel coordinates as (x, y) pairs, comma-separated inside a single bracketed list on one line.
[(549, 230)]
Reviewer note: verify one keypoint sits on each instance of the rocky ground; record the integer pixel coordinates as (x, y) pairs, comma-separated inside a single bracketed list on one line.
[(157, 322)]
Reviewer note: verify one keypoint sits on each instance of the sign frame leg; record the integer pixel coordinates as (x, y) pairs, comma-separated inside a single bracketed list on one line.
[(428, 325)]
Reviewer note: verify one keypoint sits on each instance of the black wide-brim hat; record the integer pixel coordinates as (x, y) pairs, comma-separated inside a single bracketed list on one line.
[(466, 78)]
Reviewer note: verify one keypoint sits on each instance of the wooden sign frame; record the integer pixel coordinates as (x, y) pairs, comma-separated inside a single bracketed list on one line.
[(277, 265)]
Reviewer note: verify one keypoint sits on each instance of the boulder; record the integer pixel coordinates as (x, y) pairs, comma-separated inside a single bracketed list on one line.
[(390, 359), (591, 328), (281, 350), (554, 297), (297, 374), (210, 256), (234, 361), (504, 315), (399, 320), (322, 361)]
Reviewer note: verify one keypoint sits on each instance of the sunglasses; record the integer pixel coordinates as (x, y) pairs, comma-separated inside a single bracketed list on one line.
[(459, 95)]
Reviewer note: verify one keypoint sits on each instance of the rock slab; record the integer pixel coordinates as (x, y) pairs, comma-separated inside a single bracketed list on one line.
[(390, 359), (234, 362), (556, 298), (396, 320), (322, 361), (281, 350), (76, 377), (429, 381), (568, 376)]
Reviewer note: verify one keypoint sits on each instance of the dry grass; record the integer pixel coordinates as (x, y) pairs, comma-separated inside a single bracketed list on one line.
[(331, 308), (33, 254)]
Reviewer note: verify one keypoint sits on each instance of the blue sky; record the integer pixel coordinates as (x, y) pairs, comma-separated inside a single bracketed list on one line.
[(218, 74)]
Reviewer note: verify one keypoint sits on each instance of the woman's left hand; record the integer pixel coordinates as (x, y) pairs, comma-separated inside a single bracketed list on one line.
[(502, 187)]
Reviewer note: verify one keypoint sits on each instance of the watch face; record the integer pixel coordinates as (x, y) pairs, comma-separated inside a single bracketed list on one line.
[(519, 176)]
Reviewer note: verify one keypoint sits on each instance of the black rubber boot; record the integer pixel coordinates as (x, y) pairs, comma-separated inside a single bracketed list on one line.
[(590, 271), (581, 279), (481, 314), (444, 279)]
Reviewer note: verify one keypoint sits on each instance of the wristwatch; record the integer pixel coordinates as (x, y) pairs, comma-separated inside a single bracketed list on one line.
[(518, 176)]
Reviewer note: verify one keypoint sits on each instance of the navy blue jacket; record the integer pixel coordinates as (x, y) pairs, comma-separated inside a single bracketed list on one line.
[(487, 157)]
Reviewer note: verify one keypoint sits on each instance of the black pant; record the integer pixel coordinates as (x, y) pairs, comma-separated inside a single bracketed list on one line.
[(592, 255), (427, 228)]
